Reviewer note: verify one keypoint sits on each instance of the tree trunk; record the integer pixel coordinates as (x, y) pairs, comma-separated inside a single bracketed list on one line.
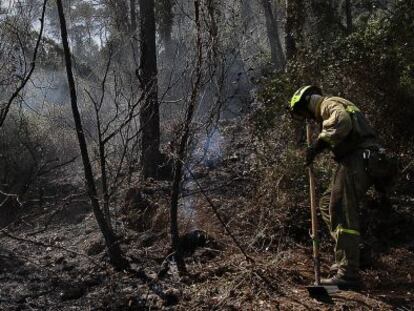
[(278, 58), (348, 8), (181, 155), (114, 251), (105, 190), (175, 232), (149, 113)]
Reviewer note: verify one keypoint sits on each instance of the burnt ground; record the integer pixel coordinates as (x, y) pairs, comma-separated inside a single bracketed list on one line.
[(55, 259)]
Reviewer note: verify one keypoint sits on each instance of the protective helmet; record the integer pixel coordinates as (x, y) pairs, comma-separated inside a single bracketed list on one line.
[(298, 99)]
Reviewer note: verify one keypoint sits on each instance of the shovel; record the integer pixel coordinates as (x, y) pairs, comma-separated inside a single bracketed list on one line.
[(316, 290)]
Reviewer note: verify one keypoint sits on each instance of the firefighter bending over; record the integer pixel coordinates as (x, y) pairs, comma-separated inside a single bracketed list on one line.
[(346, 132)]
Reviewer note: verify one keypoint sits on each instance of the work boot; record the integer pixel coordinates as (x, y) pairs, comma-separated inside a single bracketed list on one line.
[(343, 280)]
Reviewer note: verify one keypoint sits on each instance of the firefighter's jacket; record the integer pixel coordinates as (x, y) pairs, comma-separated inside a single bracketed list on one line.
[(344, 127)]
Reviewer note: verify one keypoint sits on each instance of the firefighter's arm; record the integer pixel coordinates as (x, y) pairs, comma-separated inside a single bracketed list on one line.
[(336, 125)]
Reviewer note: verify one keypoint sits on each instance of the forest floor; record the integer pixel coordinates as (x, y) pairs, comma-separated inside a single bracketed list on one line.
[(55, 259)]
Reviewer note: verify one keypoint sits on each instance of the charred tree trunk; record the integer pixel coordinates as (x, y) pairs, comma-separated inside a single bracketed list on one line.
[(175, 233), (114, 251), (181, 154), (102, 160), (102, 148), (348, 9), (278, 58), (149, 113)]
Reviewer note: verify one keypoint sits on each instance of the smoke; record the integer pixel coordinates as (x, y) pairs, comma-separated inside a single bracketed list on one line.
[(206, 155), (48, 86), (209, 149)]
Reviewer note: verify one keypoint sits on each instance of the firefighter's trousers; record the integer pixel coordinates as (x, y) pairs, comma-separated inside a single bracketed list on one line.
[(340, 205)]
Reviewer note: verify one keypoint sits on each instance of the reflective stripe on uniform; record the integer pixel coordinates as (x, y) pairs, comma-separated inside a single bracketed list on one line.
[(340, 229)]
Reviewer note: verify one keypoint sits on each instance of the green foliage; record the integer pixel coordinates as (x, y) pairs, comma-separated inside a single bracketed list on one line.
[(378, 61), (374, 67), (274, 96)]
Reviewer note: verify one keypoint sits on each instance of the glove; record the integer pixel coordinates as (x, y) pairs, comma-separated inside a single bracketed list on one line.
[(313, 150)]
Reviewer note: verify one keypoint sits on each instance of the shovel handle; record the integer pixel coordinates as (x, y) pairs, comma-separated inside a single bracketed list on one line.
[(314, 218)]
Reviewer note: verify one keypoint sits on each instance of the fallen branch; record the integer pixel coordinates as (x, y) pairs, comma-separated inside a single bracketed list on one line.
[(38, 243), (8, 196)]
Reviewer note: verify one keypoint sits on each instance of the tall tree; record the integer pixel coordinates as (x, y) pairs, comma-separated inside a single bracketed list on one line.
[(147, 73), (114, 251), (278, 57), (183, 145)]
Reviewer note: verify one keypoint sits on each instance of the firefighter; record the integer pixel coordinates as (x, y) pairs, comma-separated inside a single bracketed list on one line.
[(346, 132)]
